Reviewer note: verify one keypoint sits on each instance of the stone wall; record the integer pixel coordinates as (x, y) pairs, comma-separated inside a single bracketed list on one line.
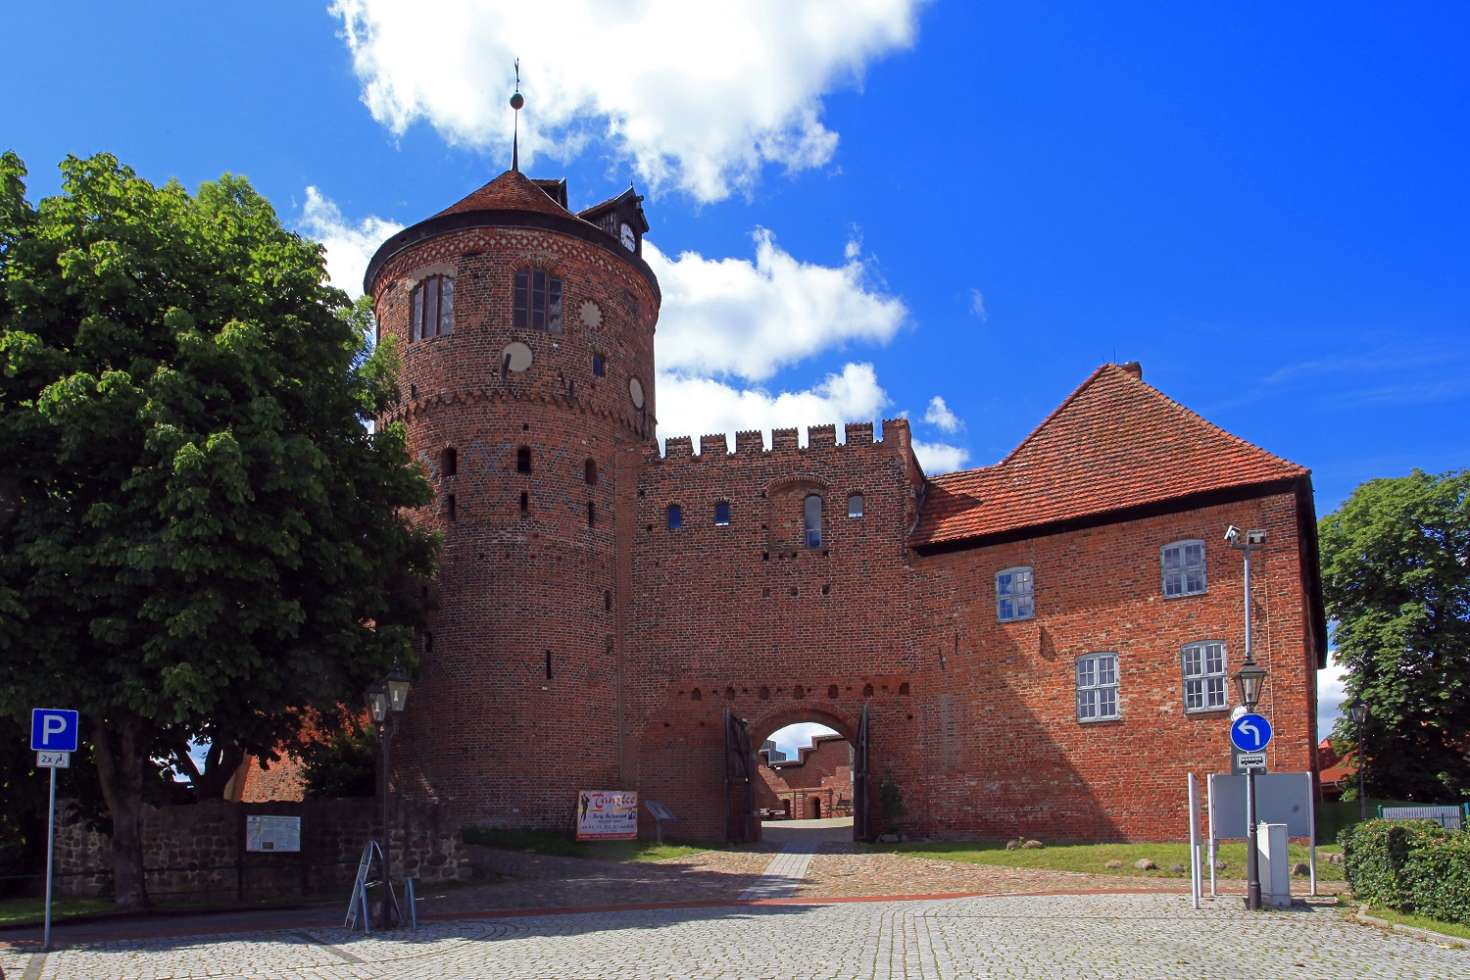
[(199, 851)]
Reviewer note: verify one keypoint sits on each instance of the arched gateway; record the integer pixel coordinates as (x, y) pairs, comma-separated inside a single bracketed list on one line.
[(1001, 646)]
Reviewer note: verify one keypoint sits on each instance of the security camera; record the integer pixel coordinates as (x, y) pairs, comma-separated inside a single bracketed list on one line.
[(1231, 533), (1255, 538)]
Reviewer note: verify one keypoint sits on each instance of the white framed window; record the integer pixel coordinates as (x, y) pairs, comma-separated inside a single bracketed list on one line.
[(1183, 564), (1205, 683), (1015, 594), (1097, 687)]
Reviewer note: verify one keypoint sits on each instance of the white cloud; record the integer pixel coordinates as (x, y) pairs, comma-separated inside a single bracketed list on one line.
[(349, 246), (694, 405), (977, 305), (939, 414), (737, 317), (1331, 693), (939, 457), (697, 95)]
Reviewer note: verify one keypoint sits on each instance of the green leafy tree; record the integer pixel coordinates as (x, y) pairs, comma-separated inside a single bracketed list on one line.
[(342, 764), (199, 533), (1396, 580)]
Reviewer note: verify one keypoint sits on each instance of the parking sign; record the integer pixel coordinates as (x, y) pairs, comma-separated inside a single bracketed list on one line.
[(54, 729)]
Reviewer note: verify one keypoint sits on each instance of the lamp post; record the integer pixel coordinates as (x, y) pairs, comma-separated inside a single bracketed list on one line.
[(386, 699), (1358, 710), (1248, 680)]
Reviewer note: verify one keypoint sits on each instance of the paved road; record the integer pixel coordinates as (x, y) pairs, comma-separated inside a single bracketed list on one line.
[(1065, 936)]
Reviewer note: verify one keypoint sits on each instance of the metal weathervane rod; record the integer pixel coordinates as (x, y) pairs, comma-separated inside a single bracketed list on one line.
[(516, 101)]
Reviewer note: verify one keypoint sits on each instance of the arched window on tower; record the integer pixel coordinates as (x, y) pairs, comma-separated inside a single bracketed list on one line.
[(523, 459), (432, 303), (449, 462), (811, 513), (590, 472), (536, 300)]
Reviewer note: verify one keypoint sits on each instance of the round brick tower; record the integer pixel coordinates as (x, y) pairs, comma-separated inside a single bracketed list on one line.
[(526, 340)]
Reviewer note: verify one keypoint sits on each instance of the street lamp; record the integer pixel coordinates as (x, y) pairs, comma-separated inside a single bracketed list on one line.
[(1248, 679), (1358, 711), (385, 699)]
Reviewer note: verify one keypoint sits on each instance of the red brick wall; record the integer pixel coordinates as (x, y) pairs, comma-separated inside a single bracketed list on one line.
[(746, 617), (487, 732), (998, 719), (654, 634), (822, 772)]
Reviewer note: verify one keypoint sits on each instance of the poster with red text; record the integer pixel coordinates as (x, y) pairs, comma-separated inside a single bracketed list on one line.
[(607, 814)]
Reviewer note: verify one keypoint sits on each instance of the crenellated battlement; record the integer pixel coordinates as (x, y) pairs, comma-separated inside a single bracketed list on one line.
[(751, 442)]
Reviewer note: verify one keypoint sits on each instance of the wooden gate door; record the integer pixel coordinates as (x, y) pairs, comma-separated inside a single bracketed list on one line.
[(860, 782), (741, 826)]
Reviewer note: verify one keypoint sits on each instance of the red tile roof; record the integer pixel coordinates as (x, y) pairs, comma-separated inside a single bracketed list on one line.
[(1115, 443), (511, 191)]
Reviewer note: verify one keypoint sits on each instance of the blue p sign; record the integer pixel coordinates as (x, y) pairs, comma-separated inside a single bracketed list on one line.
[(54, 729)]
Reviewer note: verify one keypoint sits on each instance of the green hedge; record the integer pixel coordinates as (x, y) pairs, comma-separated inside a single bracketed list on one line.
[(1412, 866)]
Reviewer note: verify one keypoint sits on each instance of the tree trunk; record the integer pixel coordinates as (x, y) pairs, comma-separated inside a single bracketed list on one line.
[(121, 756)]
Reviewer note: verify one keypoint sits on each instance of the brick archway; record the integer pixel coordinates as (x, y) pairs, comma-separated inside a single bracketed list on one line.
[(763, 726)]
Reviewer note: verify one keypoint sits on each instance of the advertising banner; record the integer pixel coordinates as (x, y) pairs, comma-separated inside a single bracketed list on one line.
[(607, 814)]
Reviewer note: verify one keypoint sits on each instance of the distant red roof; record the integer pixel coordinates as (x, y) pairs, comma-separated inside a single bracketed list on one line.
[(511, 191), (1115, 443)]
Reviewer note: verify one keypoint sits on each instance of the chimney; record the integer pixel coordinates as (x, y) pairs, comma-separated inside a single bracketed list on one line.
[(1133, 368)]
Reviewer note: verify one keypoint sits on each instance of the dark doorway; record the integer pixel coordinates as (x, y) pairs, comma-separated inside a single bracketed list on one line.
[(816, 808)]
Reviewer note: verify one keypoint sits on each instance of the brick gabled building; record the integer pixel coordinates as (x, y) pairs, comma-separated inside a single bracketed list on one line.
[(1038, 647)]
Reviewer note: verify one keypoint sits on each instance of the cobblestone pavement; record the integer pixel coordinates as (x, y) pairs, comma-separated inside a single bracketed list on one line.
[(1059, 936)]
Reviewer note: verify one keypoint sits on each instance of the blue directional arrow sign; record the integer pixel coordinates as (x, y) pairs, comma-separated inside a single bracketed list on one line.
[(1250, 733), (54, 729)]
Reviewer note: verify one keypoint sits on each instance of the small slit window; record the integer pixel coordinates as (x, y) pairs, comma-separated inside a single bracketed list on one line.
[(523, 459), (589, 472), (1015, 594), (1097, 687), (722, 513), (525, 501), (1205, 687), (536, 300), (449, 507), (432, 303), (1183, 564), (676, 517), (811, 516), (449, 462), (854, 505), (599, 366), (591, 514)]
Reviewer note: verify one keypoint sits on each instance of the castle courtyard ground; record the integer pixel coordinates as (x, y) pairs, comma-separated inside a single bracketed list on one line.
[(805, 906)]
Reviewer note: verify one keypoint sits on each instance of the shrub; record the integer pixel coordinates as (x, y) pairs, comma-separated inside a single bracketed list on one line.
[(1411, 866)]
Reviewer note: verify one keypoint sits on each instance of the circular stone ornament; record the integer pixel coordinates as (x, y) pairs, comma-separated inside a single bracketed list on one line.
[(635, 392), (516, 357), (591, 314)]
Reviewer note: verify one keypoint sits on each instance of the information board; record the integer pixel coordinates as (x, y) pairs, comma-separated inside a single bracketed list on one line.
[(271, 833), (607, 814)]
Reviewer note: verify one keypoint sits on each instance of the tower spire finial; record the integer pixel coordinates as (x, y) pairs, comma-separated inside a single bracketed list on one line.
[(516, 101)]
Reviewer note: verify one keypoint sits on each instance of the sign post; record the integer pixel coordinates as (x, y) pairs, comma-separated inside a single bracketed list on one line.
[(1250, 733), (53, 739)]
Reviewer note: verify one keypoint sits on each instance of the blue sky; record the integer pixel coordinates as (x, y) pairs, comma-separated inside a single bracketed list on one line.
[(856, 212)]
